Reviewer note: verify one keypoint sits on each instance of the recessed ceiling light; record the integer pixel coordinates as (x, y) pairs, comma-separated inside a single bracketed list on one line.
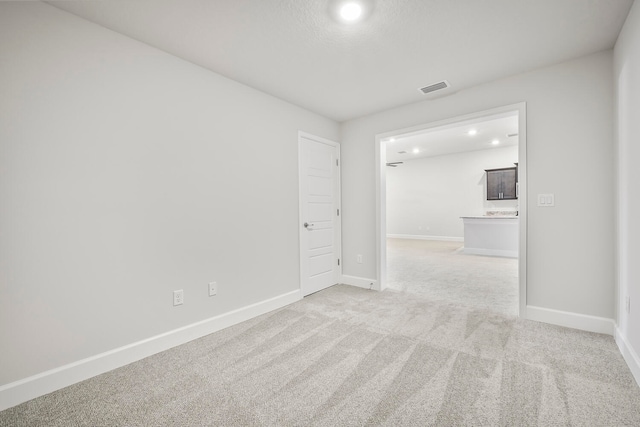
[(495, 142), (472, 132), (350, 11), (416, 150), (391, 139)]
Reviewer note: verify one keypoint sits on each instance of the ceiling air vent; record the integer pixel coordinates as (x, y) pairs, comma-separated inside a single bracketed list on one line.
[(434, 87)]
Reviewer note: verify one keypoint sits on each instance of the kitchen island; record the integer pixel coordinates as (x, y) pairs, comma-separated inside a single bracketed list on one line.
[(491, 235)]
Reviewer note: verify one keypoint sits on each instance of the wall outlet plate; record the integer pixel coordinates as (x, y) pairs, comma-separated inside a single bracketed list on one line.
[(213, 288), (178, 297)]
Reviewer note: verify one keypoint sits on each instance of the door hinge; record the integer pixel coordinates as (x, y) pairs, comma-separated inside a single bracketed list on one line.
[(338, 212), (338, 261), (337, 162)]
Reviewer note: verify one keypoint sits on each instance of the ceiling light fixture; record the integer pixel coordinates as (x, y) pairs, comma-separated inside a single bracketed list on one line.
[(416, 150), (472, 132), (350, 11), (495, 142)]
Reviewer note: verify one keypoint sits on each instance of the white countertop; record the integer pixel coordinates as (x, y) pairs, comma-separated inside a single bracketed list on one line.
[(491, 217)]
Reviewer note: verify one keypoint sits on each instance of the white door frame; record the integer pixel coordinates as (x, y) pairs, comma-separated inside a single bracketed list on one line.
[(337, 235), (381, 192)]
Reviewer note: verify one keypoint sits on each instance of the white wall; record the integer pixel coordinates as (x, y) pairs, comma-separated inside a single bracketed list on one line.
[(627, 83), (569, 153), (427, 196), (126, 173)]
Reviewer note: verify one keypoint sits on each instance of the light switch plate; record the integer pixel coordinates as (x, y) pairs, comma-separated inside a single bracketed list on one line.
[(546, 200)]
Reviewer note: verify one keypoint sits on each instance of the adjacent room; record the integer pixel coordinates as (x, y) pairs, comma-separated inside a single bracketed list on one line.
[(195, 206), (452, 226)]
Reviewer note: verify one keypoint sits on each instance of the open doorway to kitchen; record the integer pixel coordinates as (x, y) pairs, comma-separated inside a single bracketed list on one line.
[(452, 210)]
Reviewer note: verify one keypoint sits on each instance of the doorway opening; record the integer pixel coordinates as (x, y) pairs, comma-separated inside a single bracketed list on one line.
[(432, 191)]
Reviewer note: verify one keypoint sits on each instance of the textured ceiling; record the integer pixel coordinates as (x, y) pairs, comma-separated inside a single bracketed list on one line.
[(295, 50)]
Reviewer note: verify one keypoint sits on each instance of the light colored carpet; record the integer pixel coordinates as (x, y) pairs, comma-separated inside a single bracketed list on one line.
[(440, 271), (349, 357)]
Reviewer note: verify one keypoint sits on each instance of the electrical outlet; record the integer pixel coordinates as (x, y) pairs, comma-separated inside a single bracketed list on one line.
[(359, 259), (213, 288), (178, 297), (627, 304)]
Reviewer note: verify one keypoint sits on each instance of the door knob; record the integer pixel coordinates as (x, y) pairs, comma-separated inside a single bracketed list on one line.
[(307, 225)]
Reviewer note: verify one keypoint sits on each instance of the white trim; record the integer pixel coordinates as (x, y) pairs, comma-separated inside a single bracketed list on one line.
[(381, 212), (585, 322), (14, 393), (523, 212), (381, 196), (423, 237), (360, 282), (629, 355), (490, 252)]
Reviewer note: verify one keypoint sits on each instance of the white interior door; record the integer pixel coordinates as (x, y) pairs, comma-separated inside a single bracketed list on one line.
[(319, 226)]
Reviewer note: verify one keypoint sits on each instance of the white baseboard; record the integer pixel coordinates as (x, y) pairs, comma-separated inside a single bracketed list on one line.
[(360, 282), (629, 355), (584, 322), (14, 393), (421, 237), (490, 252)]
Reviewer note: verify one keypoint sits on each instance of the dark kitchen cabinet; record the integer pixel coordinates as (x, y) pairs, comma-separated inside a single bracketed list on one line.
[(502, 183)]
